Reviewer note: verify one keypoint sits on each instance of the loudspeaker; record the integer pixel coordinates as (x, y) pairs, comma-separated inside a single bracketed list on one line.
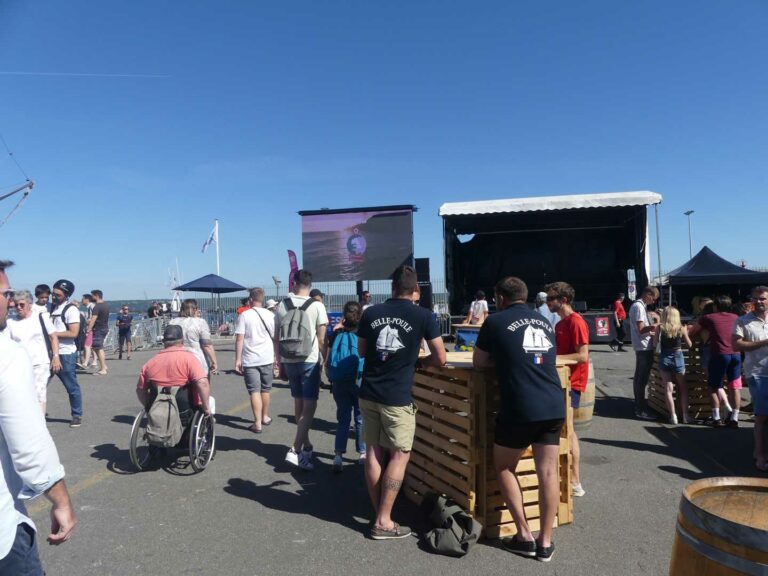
[(422, 270), (579, 306), (426, 295)]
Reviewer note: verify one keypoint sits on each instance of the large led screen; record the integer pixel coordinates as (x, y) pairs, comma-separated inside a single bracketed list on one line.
[(365, 245)]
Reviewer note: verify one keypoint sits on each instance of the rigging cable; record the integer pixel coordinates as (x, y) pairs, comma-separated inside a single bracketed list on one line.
[(26, 188)]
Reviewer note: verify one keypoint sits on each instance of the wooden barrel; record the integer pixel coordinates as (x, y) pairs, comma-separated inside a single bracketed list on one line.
[(722, 528), (582, 416)]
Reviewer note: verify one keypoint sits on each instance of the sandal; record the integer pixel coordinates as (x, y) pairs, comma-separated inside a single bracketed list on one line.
[(266, 422), (255, 429)]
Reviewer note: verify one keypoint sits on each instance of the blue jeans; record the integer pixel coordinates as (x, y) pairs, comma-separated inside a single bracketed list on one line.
[(643, 365), (347, 397), (23, 559), (68, 377)]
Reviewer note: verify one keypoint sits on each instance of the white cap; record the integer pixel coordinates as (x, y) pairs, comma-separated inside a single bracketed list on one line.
[(271, 303)]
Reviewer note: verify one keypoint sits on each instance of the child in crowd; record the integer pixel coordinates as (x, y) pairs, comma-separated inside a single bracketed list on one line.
[(672, 336), (344, 368)]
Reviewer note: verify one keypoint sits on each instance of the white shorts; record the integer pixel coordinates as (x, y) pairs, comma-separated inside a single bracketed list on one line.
[(42, 374)]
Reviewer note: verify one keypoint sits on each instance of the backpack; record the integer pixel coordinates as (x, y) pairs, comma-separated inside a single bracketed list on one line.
[(297, 331), (344, 363), (455, 530), (163, 420), (80, 338)]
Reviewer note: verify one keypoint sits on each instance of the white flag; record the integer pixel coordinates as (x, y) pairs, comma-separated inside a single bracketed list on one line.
[(214, 237)]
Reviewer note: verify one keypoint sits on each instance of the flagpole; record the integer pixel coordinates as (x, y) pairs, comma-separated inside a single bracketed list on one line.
[(218, 265)]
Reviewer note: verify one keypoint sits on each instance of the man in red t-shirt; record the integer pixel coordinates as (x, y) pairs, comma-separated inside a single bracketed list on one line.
[(619, 315), (572, 339)]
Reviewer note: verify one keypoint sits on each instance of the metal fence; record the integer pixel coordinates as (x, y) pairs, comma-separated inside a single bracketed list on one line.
[(145, 334)]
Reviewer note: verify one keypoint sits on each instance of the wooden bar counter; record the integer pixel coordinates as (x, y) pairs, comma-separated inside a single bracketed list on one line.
[(452, 451)]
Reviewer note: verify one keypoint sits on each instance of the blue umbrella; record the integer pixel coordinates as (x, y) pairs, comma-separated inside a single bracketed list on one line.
[(211, 283)]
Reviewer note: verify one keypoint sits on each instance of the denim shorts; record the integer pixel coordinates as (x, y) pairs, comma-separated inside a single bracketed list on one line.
[(23, 557), (304, 379), (758, 389), (672, 362), (98, 339), (258, 378), (575, 399)]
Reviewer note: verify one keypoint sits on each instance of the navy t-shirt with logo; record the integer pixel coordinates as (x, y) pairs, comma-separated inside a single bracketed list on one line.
[(522, 344), (393, 332)]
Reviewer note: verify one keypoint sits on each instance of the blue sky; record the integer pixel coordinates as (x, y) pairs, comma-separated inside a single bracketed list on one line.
[(141, 122)]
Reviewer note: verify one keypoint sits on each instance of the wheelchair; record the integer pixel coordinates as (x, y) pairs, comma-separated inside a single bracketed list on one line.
[(201, 432)]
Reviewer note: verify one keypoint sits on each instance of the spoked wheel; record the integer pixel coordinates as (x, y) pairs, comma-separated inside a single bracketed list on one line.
[(141, 452), (202, 441)]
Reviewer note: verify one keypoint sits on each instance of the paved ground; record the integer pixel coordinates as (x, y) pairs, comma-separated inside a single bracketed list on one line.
[(250, 514)]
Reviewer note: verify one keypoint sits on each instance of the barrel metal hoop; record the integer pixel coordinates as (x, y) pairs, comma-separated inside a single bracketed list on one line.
[(726, 559), (731, 532)]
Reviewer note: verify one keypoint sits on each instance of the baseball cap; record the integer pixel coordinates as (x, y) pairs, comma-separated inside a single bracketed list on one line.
[(173, 333), (316, 292), (271, 303), (541, 296), (65, 286)]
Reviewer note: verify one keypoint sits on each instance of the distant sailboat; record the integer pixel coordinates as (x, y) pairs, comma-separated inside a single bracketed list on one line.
[(389, 340), (536, 340)]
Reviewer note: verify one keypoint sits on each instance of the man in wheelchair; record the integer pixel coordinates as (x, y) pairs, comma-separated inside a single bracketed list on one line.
[(175, 367)]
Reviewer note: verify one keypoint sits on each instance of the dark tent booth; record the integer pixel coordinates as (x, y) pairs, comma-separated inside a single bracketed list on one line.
[(589, 240), (707, 274), (213, 284)]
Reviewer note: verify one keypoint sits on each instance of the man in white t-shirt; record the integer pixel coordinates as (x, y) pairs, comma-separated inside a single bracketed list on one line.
[(32, 330), (28, 458), (478, 310), (66, 325), (642, 331), (255, 356), (304, 373)]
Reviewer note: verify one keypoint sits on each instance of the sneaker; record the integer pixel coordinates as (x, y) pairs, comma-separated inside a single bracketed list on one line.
[(612, 345), (362, 458), (305, 463), (292, 457), (673, 419), (80, 365), (77, 421), (520, 547), (719, 423), (307, 452), (395, 533), (577, 490), (644, 415), (545, 554), (733, 424), (337, 463)]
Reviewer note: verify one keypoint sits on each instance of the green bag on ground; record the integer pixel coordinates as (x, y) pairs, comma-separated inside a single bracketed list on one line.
[(454, 532)]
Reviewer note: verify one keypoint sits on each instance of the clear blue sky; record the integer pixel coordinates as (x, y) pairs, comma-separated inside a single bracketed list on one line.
[(143, 121)]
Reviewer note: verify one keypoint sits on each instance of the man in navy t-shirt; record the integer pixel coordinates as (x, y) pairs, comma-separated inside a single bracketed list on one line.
[(520, 344), (389, 338)]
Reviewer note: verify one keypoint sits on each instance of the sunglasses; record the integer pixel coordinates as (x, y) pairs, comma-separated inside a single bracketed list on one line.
[(9, 293)]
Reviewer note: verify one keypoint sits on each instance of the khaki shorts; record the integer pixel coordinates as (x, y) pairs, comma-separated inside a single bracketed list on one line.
[(391, 427)]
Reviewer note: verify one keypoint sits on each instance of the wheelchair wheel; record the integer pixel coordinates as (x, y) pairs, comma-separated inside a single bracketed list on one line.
[(141, 453), (202, 441)]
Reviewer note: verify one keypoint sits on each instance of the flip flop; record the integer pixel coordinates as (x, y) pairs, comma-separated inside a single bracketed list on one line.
[(253, 429), (266, 422)]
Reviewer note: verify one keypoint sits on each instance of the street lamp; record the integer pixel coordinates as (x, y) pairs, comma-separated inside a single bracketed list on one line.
[(690, 243), (276, 280)]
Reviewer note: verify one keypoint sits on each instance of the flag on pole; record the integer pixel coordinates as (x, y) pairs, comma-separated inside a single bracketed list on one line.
[(292, 260), (213, 238)]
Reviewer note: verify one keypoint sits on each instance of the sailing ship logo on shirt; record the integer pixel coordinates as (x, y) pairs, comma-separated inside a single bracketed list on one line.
[(388, 342), (536, 340)]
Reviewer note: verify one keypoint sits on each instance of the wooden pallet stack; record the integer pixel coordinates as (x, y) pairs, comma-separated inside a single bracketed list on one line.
[(452, 452), (698, 391)]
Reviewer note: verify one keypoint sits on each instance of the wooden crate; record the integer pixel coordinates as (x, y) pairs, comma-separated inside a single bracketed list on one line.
[(452, 451), (699, 406)]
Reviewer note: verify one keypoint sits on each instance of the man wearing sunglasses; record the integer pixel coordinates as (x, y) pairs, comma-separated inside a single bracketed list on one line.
[(28, 458)]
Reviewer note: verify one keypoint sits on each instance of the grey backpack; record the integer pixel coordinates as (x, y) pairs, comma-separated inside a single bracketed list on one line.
[(163, 421), (297, 331)]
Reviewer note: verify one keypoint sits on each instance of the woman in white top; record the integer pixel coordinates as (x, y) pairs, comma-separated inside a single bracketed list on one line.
[(28, 331), (197, 335), (478, 310)]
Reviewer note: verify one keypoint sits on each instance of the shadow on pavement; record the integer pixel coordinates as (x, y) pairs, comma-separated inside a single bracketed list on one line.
[(117, 459)]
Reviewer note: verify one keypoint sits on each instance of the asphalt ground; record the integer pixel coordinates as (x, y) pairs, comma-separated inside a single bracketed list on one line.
[(250, 513)]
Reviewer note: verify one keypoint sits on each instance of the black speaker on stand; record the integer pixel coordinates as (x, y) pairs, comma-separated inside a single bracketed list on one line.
[(422, 270), (426, 299)]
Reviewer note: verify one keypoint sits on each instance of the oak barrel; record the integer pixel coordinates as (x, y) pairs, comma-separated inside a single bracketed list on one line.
[(582, 416), (722, 528)]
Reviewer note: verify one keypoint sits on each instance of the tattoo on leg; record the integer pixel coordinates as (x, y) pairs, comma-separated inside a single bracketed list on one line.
[(391, 484)]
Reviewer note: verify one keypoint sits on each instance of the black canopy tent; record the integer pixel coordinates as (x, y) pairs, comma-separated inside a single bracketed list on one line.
[(707, 274)]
